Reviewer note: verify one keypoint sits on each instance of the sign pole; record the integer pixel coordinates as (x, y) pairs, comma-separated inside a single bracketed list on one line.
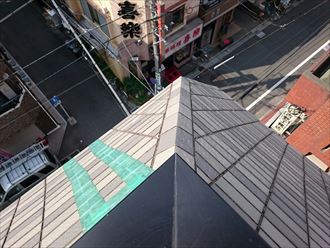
[(155, 35)]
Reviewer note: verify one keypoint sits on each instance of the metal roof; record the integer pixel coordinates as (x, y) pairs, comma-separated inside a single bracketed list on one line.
[(174, 207), (278, 192)]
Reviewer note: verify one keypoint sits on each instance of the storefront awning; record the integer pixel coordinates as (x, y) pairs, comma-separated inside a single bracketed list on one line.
[(183, 37)]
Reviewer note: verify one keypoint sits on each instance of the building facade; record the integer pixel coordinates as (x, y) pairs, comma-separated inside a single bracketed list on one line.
[(23, 118), (120, 27), (303, 116), (124, 30), (217, 16)]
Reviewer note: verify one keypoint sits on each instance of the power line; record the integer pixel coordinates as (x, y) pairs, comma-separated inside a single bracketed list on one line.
[(65, 43), (58, 71), (121, 64), (15, 11), (138, 68), (75, 85), (280, 27), (60, 94), (84, 80), (264, 74), (88, 31), (104, 78)]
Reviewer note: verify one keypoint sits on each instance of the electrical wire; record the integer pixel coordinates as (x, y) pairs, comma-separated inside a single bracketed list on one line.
[(60, 94), (64, 44), (137, 66), (88, 31), (58, 71), (15, 11), (86, 79), (263, 74), (121, 64)]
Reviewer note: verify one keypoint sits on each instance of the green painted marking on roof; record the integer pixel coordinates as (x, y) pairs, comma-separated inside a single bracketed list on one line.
[(91, 205), (131, 171)]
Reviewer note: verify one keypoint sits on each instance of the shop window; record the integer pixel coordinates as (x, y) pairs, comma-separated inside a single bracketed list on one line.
[(174, 19), (94, 14), (182, 54), (209, 3)]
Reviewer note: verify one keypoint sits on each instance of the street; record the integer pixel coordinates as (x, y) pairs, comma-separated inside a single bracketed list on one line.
[(245, 74), (261, 62), (27, 36)]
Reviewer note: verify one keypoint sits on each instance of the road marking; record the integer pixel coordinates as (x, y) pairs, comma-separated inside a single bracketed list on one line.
[(223, 62), (287, 75)]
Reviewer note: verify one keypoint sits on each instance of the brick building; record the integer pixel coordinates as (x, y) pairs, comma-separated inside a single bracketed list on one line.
[(181, 30), (22, 120), (307, 127)]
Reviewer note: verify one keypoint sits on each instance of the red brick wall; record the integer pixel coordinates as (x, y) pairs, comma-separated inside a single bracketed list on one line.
[(314, 134), (305, 93)]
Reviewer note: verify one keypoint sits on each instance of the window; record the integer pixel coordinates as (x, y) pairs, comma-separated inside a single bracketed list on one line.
[(12, 193), (209, 3), (29, 181), (174, 19), (182, 54), (94, 14), (46, 170), (2, 193)]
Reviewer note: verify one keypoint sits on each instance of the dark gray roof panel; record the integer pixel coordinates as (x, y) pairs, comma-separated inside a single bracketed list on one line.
[(255, 161), (220, 159), (252, 185), (287, 229), (207, 103), (198, 89), (234, 195)]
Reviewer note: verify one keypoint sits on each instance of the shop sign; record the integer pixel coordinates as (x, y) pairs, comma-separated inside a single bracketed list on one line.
[(130, 29), (127, 11), (183, 40)]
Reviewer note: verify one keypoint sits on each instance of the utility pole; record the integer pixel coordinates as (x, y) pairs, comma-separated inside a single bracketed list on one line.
[(156, 39), (90, 57)]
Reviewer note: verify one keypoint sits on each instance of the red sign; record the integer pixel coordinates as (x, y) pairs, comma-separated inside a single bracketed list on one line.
[(183, 40)]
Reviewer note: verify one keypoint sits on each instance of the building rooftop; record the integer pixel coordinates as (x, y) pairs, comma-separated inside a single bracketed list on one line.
[(311, 94), (241, 165)]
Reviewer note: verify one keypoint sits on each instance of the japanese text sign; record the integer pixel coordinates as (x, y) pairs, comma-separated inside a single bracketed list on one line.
[(183, 40)]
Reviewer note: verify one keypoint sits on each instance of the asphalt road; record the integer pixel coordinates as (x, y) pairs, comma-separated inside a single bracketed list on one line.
[(28, 36), (263, 62)]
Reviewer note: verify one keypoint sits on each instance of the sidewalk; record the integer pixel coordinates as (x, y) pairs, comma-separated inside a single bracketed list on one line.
[(248, 29)]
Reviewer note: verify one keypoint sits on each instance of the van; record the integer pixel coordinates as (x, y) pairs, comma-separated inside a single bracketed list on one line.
[(24, 173)]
